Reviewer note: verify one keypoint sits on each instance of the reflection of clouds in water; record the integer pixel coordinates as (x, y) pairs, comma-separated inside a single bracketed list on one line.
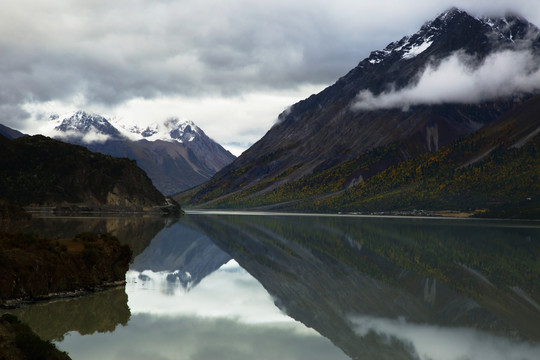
[(438, 343), (163, 337), (228, 315), (230, 292)]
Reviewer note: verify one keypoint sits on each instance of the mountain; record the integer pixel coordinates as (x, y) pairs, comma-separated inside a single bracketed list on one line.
[(37, 171), (83, 125), (361, 125), (176, 155), (9, 132)]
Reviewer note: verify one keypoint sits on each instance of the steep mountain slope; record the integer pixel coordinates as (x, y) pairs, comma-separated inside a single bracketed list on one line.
[(330, 130), (496, 169), (39, 171), (9, 132), (175, 155)]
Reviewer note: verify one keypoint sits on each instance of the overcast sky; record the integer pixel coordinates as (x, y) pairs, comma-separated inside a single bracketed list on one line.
[(230, 66)]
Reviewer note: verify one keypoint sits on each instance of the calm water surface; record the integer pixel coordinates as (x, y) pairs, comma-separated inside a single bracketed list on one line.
[(218, 286)]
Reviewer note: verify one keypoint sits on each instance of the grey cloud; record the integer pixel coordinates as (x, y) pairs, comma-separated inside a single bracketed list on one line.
[(108, 53)]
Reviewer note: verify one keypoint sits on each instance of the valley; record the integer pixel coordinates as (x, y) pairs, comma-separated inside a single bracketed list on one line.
[(394, 214)]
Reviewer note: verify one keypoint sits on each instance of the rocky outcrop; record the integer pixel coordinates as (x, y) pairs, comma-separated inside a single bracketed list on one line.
[(35, 268)]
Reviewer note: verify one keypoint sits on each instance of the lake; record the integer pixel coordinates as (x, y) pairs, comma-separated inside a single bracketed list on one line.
[(277, 286)]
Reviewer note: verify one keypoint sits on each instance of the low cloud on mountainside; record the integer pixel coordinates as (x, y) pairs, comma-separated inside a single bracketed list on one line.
[(88, 138), (457, 80)]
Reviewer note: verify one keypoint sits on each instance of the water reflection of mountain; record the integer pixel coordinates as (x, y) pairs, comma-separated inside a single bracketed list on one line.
[(185, 254), (97, 312), (330, 272)]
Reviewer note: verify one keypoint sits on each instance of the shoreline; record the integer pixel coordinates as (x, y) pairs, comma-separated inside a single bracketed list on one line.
[(435, 215), (105, 210), (15, 303)]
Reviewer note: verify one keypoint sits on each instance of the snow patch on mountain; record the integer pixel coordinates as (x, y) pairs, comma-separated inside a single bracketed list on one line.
[(417, 49)]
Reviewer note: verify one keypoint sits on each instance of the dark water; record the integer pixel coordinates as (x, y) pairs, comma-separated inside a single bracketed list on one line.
[(306, 287)]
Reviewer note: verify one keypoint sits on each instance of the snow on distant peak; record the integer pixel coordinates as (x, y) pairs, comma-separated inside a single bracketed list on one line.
[(88, 128), (172, 129), (84, 126)]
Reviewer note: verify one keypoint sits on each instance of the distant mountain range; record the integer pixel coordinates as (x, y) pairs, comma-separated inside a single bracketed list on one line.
[(365, 143), (176, 155)]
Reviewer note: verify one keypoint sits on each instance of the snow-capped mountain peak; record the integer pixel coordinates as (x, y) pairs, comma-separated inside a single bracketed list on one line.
[(84, 123), (172, 129), (88, 127), (502, 32)]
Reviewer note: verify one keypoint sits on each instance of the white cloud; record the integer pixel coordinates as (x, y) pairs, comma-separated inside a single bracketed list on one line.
[(230, 292), (457, 80), (89, 137), (194, 338), (234, 122), (438, 343), (228, 315)]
